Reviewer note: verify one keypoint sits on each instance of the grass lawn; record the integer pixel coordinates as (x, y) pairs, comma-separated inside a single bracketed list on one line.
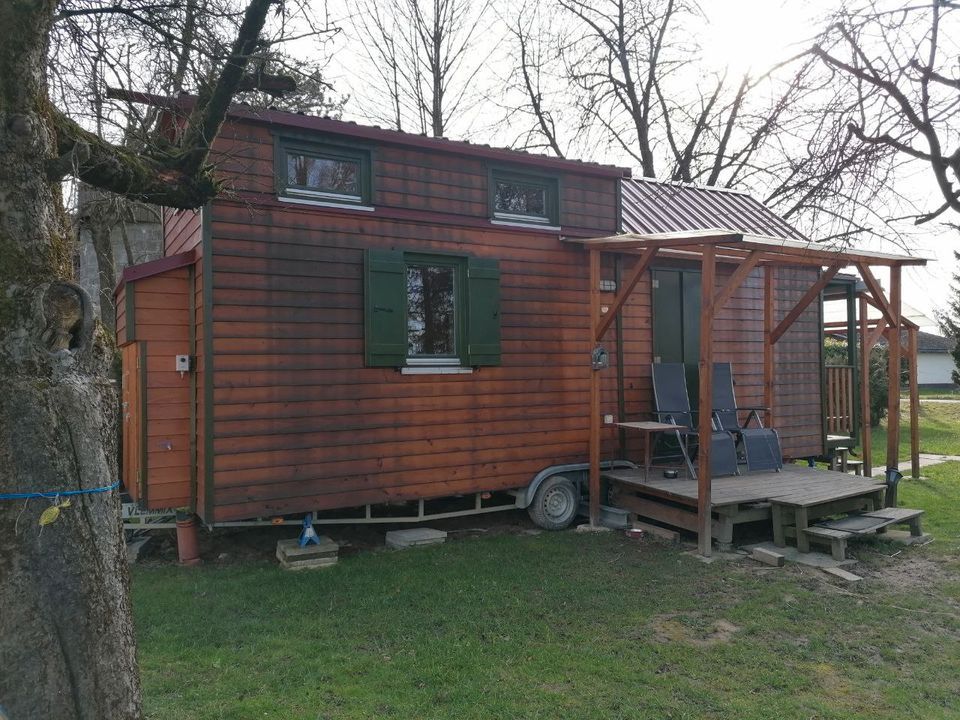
[(561, 625), (939, 432), (944, 393)]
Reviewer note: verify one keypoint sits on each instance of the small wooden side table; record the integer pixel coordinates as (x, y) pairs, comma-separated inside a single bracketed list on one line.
[(649, 429)]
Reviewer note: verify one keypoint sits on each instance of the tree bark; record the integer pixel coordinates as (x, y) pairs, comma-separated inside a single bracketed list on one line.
[(66, 636), (100, 231)]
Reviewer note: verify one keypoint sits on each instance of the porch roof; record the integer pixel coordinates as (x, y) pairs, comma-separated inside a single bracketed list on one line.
[(734, 245)]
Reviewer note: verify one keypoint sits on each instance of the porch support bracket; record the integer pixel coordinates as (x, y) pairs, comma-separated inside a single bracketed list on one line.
[(624, 292), (736, 280), (879, 301)]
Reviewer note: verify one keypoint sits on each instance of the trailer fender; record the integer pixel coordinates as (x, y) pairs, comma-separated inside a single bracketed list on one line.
[(579, 473)]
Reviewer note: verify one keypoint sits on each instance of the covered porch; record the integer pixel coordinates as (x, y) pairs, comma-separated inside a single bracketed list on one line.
[(704, 504)]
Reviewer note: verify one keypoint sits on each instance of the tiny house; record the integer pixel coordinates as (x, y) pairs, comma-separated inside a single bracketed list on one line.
[(366, 316)]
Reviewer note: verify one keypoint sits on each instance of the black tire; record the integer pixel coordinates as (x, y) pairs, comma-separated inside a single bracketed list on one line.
[(555, 503)]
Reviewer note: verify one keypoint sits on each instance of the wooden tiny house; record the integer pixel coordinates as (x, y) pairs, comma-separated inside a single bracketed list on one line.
[(376, 317), (290, 292)]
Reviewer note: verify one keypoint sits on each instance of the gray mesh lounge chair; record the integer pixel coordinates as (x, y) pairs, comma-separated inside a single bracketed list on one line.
[(761, 446), (673, 406)]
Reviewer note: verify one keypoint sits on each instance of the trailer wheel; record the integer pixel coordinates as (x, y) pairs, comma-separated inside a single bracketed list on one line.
[(555, 503)]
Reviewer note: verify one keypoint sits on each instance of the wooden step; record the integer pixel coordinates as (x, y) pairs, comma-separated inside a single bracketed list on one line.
[(896, 515), (900, 516), (836, 538), (837, 532)]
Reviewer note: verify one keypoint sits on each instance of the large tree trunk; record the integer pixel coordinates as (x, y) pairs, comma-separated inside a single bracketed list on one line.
[(66, 637), (100, 231)]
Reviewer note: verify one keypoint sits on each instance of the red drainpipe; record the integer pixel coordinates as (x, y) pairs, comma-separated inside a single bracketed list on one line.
[(188, 546)]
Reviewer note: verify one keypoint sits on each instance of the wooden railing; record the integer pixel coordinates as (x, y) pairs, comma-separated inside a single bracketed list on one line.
[(840, 400)]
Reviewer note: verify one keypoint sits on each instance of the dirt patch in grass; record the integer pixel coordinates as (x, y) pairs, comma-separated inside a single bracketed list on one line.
[(911, 573), (691, 629)]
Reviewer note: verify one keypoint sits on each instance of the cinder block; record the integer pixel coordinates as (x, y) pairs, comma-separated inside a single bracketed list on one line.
[(414, 537)]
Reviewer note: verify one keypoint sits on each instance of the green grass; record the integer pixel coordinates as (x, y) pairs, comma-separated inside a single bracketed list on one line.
[(939, 432), (560, 625), (941, 393)]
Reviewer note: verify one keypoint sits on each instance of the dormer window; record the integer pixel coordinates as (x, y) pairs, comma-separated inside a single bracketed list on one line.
[(524, 199), (323, 173)]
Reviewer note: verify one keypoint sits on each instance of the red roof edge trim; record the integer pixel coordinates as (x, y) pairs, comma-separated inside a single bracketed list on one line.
[(155, 267), (281, 119)]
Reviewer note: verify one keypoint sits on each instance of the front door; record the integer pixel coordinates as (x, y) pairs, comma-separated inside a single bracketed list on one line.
[(676, 323)]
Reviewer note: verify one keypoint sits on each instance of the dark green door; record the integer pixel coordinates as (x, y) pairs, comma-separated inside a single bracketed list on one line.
[(676, 322)]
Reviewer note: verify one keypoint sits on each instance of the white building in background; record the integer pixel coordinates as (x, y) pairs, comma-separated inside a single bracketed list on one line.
[(935, 364)]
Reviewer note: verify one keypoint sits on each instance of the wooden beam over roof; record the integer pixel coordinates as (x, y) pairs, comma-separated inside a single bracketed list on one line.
[(626, 241), (776, 250)]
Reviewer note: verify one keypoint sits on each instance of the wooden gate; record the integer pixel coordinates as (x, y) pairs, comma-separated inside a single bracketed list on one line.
[(840, 400), (134, 420)]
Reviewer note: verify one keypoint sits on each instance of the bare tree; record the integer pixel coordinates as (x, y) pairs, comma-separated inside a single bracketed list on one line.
[(424, 61), (172, 47), (900, 62), (66, 637), (627, 76)]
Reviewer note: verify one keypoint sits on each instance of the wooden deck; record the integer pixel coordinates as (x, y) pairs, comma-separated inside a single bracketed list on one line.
[(795, 494)]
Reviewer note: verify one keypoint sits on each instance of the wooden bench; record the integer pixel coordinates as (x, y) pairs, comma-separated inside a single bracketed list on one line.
[(841, 462), (837, 532)]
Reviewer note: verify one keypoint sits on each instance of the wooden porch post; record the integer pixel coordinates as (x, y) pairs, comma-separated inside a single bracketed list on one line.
[(769, 323), (594, 442), (865, 429), (704, 425), (893, 372), (914, 404)]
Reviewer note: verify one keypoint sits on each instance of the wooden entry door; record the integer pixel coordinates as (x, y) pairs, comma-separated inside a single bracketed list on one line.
[(676, 323), (132, 410)]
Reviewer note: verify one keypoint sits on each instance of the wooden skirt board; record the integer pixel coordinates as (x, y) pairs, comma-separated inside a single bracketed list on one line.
[(740, 498)]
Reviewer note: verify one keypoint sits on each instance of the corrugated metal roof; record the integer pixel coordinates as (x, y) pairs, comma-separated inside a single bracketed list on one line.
[(659, 207)]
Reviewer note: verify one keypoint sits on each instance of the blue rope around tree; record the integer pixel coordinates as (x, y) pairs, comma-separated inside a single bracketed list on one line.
[(53, 494)]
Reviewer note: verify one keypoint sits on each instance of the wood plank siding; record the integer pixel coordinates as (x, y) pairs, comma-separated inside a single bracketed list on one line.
[(300, 423), (161, 327), (181, 231), (281, 415), (799, 366)]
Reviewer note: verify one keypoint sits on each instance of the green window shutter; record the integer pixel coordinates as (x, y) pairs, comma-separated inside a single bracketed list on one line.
[(483, 312), (385, 308)]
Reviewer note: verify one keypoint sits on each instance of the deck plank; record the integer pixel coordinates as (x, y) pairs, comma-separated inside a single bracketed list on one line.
[(793, 485)]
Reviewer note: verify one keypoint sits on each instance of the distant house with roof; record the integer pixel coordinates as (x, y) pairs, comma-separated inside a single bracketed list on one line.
[(935, 363)]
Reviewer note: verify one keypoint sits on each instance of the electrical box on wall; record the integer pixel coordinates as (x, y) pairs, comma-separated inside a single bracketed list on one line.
[(183, 363)]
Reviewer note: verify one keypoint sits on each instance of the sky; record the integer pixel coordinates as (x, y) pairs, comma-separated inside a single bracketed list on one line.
[(742, 38), (740, 34)]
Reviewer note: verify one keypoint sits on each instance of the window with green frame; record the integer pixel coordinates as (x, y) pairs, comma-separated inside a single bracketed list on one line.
[(430, 310), (524, 198), (322, 172)]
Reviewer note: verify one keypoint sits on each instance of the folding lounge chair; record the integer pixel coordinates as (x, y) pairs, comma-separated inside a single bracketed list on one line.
[(673, 406), (761, 446)]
